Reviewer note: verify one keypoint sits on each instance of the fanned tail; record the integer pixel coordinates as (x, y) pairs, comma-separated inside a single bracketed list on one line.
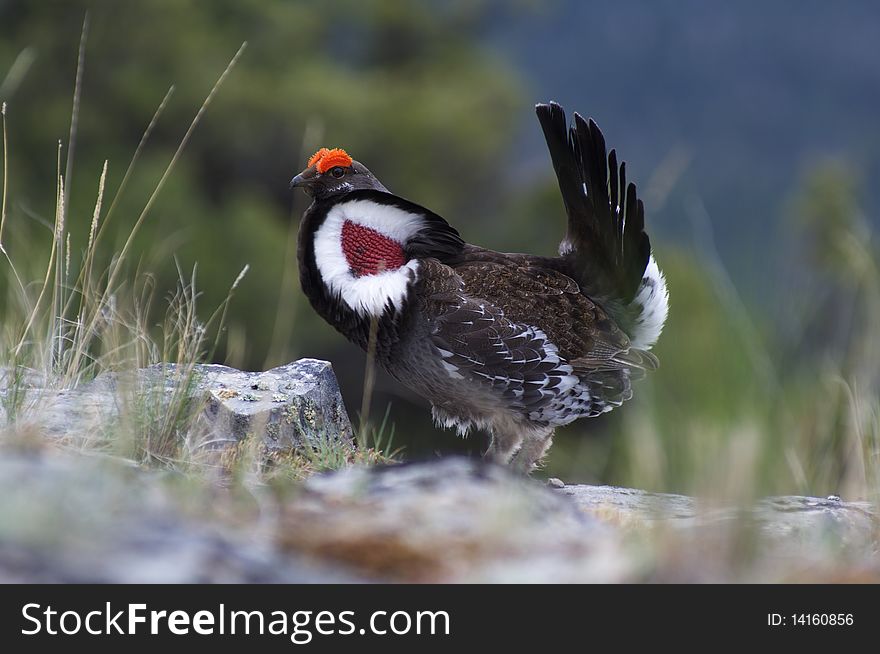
[(605, 247)]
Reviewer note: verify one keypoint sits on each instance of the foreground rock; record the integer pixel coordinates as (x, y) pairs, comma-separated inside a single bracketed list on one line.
[(283, 407), (790, 538), (85, 519), (455, 520), (461, 520), (66, 517), (809, 519), (78, 518)]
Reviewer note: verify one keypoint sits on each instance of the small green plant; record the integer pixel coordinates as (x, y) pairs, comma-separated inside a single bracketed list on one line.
[(14, 392), (378, 441)]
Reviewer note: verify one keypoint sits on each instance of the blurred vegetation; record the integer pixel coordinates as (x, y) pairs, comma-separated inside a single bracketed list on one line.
[(744, 405), (746, 402), (403, 86)]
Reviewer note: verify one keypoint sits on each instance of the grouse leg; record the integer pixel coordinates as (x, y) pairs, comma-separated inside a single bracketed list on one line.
[(504, 445), (534, 447)]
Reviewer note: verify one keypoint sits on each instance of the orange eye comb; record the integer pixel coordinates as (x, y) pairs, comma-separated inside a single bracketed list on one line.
[(325, 159), (315, 158)]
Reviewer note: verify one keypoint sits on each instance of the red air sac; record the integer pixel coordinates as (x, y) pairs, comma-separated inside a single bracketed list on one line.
[(368, 252)]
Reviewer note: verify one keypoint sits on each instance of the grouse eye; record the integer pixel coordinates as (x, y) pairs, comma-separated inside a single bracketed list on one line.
[(337, 171)]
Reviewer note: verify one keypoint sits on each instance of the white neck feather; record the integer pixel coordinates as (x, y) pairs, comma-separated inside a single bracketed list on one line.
[(367, 295)]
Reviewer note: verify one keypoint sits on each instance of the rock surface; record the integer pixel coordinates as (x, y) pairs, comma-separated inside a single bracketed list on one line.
[(287, 406), (452, 520), (794, 536), (461, 520), (66, 517), (85, 519), (283, 407), (776, 517)]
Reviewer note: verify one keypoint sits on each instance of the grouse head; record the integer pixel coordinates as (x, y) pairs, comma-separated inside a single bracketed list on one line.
[(334, 172), (360, 245)]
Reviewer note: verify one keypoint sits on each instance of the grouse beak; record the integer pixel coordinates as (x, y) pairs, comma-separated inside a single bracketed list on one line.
[(305, 179)]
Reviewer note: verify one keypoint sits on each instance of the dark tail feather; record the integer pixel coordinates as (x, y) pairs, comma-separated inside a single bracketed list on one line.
[(606, 246)]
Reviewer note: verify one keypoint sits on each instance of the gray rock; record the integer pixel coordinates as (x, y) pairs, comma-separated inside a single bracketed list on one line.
[(85, 519), (66, 517), (776, 517), (820, 523), (283, 407), (287, 405), (463, 521), (790, 534), (451, 520), (631, 504)]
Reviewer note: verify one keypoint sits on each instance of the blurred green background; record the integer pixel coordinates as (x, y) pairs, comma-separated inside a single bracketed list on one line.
[(751, 131)]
